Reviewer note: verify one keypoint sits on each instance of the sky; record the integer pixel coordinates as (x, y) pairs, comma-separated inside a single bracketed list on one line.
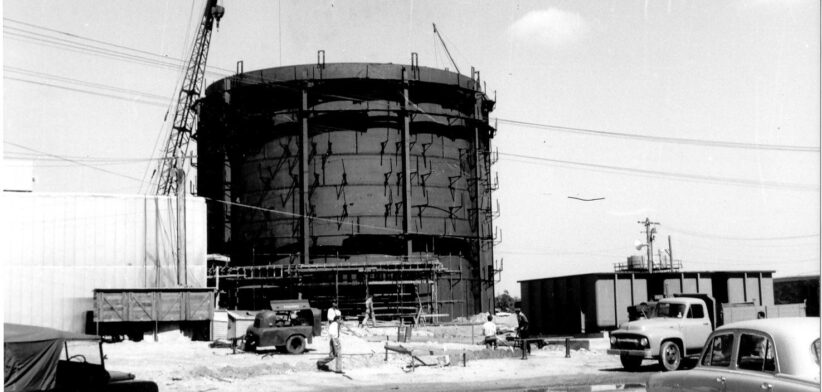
[(703, 116)]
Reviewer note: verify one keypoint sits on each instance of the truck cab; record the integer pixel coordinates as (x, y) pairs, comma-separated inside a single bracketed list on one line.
[(679, 329)]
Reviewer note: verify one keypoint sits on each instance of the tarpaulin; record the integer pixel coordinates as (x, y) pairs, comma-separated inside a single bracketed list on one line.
[(31, 355)]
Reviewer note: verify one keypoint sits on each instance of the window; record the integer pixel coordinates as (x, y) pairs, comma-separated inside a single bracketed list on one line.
[(670, 310), (719, 351), (756, 352), (816, 350), (696, 312)]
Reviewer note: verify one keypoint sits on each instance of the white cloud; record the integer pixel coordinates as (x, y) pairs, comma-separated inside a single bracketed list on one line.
[(553, 27)]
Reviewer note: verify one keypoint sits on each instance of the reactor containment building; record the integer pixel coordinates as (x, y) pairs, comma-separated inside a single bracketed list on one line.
[(330, 181)]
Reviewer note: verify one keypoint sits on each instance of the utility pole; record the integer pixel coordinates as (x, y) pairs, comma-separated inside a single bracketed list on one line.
[(650, 234), (670, 253)]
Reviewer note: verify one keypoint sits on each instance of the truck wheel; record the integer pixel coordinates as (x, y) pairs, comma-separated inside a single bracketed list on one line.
[(669, 356), (295, 344), (630, 363)]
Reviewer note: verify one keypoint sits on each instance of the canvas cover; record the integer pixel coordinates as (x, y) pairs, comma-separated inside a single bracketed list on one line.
[(31, 354)]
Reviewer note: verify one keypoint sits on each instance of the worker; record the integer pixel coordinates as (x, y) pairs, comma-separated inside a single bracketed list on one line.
[(522, 332), (489, 330), (369, 310), (333, 312), (334, 347)]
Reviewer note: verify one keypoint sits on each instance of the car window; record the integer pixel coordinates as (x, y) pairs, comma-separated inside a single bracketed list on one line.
[(670, 310), (756, 352), (718, 352), (82, 351), (695, 312)]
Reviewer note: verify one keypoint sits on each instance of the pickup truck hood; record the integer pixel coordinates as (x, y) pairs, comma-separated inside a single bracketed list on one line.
[(646, 324)]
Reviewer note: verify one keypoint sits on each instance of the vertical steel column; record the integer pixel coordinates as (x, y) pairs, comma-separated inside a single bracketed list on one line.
[(406, 166), (305, 229), (616, 306), (478, 176)]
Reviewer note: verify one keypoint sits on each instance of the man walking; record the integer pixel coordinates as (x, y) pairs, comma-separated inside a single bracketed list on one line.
[(522, 332), (334, 349), (489, 330), (369, 312)]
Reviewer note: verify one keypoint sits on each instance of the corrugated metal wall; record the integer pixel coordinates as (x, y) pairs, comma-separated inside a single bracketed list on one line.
[(594, 302), (57, 248)]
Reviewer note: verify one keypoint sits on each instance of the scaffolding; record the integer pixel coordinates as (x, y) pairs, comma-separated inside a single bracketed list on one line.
[(403, 287)]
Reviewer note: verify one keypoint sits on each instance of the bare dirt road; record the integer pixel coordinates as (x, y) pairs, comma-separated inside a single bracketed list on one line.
[(177, 364)]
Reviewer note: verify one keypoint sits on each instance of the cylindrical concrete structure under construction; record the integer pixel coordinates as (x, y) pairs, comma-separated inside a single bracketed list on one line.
[(327, 167)]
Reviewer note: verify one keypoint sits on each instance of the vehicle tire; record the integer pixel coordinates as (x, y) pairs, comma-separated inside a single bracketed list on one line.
[(135, 335), (631, 363), (670, 357), (295, 344)]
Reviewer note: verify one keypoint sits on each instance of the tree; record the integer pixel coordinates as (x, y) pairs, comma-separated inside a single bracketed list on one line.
[(505, 302)]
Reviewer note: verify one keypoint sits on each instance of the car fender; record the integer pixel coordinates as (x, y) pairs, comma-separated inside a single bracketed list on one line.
[(659, 335)]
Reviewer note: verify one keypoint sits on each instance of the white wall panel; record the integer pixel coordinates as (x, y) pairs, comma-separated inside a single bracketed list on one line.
[(57, 248)]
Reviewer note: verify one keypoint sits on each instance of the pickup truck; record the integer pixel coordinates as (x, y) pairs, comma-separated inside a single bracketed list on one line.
[(679, 329)]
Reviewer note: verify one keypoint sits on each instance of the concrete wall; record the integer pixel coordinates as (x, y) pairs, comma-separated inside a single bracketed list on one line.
[(57, 248)]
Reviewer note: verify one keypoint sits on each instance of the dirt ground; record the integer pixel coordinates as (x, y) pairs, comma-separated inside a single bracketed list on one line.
[(178, 364)]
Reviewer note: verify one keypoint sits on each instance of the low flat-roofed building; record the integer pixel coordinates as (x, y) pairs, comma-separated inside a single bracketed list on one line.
[(590, 303)]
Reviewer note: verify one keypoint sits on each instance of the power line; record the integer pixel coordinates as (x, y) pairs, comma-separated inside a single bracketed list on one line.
[(80, 82), (723, 237), (74, 161), (662, 139), (655, 173), (179, 61), (296, 215), (86, 91)]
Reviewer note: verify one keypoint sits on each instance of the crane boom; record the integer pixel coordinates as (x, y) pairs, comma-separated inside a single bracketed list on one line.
[(446, 48), (185, 116)]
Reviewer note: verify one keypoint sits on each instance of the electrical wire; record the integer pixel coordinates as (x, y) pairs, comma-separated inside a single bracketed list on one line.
[(725, 237), (680, 176), (85, 91), (176, 62), (661, 139), (71, 160), (296, 215), (10, 69)]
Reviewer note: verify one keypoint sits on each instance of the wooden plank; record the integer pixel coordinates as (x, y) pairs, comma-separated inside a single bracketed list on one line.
[(170, 306), (141, 306), (112, 307), (199, 306)]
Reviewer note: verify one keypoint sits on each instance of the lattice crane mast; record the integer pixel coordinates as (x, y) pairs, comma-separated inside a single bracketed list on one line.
[(185, 116), (454, 63)]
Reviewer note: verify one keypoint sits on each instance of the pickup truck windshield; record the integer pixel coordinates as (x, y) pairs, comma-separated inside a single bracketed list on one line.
[(671, 310)]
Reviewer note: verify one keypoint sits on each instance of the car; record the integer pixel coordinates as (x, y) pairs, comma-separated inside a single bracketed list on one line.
[(755, 355), (32, 359)]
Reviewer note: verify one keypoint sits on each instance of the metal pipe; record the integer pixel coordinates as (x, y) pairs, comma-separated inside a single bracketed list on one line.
[(305, 228)]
